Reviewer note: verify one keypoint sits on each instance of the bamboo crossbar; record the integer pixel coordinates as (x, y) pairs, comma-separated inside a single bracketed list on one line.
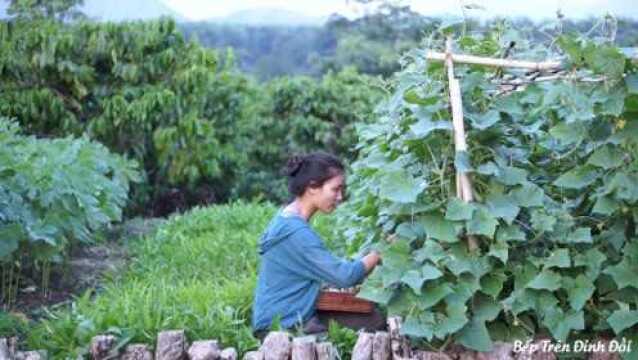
[(479, 60)]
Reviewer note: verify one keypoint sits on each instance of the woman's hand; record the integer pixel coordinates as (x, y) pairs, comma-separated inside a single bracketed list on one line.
[(371, 260)]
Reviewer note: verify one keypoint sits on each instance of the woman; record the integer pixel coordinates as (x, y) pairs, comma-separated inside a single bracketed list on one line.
[(294, 260)]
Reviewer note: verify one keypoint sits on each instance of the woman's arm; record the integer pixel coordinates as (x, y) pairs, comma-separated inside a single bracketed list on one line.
[(370, 261)]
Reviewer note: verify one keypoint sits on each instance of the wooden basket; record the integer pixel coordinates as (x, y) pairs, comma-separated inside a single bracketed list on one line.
[(343, 301)]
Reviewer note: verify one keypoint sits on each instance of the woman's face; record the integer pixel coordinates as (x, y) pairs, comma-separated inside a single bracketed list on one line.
[(330, 194)]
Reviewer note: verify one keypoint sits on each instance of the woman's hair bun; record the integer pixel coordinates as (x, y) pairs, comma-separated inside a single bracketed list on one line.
[(293, 165)]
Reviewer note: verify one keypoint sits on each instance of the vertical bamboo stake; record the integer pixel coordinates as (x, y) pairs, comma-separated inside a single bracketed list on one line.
[(463, 183)]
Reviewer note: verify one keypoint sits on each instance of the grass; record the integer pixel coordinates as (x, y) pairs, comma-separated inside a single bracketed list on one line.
[(196, 272)]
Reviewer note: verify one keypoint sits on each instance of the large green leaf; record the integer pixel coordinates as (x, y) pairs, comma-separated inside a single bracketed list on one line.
[(606, 60), (624, 273), (424, 127), (458, 209), (482, 223), (606, 157), (559, 258), (577, 178), (475, 336), (10, 237), (560, 323), (437, 227), (503, 206), (623, 319), (528, 195), (546, 280), (579, 290), (400, 186)]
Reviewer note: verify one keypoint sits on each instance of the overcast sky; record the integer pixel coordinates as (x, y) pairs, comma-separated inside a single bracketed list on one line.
[(537, 9)]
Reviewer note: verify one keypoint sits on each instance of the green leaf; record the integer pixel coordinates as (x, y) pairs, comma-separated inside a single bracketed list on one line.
[(411, 96), (483, 121), (499, 250), (434, 293), (580, 235), (492, 283), (605, 206), (546, 280), (462, 162), (560, 323), (424, 127), (528, 195), (624, 273), (475, 336), (559, 258), (579, 290), (458, 210), (606, 157), (430, 272), (502, 206), (486, 308), (592, 259), (414, 279), (577, 178), (401, 187), (431, 250), (605, 59), (623, 319), (417, 326), (568, 133), (482, 223), (510, 233), (510, 175), (10, 237), (542, 221), (436, 227), (374, 290), (631, 80)]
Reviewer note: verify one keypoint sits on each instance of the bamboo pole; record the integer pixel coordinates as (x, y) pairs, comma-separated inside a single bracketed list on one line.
[(463, 183), (479, 60)]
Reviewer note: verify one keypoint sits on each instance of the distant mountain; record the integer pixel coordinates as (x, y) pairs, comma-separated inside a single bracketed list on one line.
[(118, 10), (269, 16), (122, 10)]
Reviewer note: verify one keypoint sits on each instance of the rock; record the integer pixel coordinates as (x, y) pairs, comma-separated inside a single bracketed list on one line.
[(137, 352), (228, 354), (535, 352), (276, 346), (254, 355), (600, 351), (304, 348), (31, 355), (381, 349), (363, 348), (325, 351), (429, 355), (398, 343), (101, 346), (171, 345), (500, 351), (204, 350), (5, 353)]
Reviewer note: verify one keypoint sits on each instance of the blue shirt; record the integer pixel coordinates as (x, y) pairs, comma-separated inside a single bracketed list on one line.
[(294, 263)]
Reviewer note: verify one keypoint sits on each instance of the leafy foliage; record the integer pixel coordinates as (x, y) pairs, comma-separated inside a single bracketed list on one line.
[(138, 88), (554, 169), (54, 193)]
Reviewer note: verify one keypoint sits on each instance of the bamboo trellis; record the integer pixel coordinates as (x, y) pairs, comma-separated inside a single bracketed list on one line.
[(464, 189)]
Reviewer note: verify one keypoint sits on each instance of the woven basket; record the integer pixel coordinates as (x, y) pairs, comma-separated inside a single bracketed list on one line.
[(343, 301)]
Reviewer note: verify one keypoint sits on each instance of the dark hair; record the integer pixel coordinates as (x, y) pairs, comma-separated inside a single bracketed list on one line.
[(312, 169)]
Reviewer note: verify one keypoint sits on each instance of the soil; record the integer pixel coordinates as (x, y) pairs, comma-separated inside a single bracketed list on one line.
[(85, 268)]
